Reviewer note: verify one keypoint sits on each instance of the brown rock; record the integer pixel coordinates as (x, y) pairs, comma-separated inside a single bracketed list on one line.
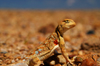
[(1, 62), (47, 29), (55, 59), (94, 57), (78, 60), (91, 44), (89, 62)]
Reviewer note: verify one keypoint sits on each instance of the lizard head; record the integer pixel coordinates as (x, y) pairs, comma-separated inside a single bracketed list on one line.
[(65, 25)]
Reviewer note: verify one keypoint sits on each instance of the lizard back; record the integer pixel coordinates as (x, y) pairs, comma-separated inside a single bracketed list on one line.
[(47, 45)]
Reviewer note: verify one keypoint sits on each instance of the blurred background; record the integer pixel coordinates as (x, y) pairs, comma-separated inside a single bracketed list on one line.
[(50, 4), (24, 24)]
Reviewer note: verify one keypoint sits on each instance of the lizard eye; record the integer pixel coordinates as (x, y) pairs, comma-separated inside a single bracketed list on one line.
[(67, 21)]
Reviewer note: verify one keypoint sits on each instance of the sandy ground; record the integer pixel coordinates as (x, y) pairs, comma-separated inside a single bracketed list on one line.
[(21, 31)]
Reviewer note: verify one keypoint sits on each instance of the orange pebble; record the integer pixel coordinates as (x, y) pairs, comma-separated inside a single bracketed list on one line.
[(89, 62)]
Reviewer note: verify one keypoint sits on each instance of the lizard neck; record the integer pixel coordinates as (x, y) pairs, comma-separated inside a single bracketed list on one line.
[(58, 30)]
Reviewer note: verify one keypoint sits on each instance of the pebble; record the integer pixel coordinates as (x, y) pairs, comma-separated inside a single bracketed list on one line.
[(3, 43), (4, 52), (78, 59), (0, 62), (94, 57), (23, 59), (80, 52), (89, 62), (90, 32), (17, 59), (52, 63), (72, 50), (13, 61), (98, 59), (61, 59), (7, 61)]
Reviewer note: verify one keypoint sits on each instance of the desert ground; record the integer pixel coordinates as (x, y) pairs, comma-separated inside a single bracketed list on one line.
[(21, 31)]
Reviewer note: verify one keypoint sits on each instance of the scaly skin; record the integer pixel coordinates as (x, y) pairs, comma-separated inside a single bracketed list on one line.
[(51, 43)]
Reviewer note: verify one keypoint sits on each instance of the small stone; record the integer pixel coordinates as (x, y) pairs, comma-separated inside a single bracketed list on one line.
[(98, 59), (13, 61), (71, 56), (89, 62), (17, 59), (94, 57), (8, 55), (72, 50), (4, 52), (91, 44), (47, 29), (7, 61), (80, 52), (0, 62), (90, 32), (23, 59), (52, 62), (3, 43), (78, 59), (61, 59)]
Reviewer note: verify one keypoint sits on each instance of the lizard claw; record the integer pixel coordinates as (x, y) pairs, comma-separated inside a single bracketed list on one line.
[(71, 61)]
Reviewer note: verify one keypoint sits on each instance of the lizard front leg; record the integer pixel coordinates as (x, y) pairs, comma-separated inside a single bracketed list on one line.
[(63, 50)]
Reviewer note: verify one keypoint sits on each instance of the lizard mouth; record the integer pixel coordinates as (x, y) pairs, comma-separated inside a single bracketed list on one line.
[(70, 26), (73, 25)]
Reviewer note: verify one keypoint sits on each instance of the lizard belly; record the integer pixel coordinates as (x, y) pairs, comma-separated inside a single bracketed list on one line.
[(47, 54), (35, 59)]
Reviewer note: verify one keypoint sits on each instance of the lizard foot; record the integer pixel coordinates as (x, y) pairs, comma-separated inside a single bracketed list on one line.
[(34, 61), (71, 62)]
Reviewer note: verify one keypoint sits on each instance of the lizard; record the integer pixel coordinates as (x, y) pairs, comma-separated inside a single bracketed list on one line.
[(54, 41), (49, 46)]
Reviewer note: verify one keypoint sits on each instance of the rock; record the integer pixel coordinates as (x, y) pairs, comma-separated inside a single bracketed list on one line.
[(0, 62), (78, 60), (91, 44), (52, 62), (98, 59), (90, 32), (55, 59), (47, 29), (61, 59), (94, 57), (4, 52), (89, 62)]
